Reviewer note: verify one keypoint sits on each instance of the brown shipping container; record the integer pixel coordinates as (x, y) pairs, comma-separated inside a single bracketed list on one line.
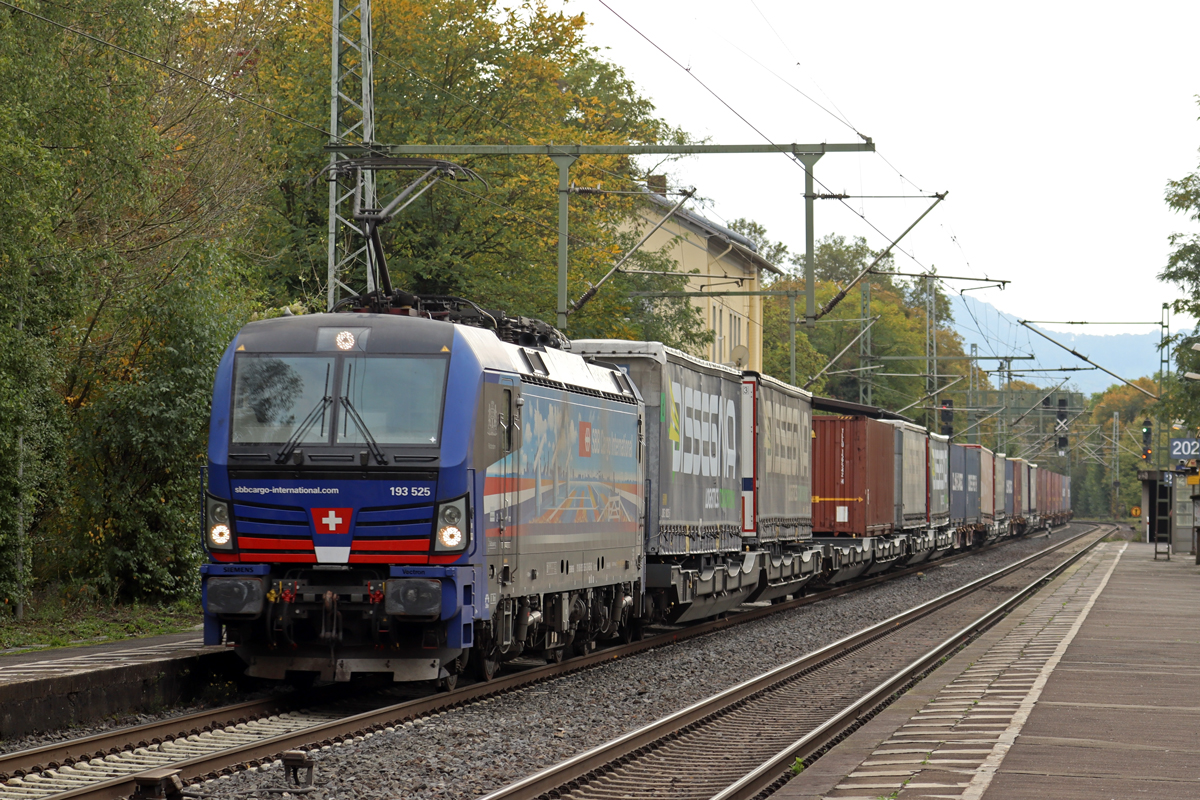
[(853, 482)]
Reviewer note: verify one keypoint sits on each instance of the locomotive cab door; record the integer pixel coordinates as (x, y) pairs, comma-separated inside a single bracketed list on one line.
[(510, 427)]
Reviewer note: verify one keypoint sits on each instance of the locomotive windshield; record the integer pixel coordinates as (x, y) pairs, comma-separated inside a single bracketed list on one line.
[(274, 395), (398, 399)]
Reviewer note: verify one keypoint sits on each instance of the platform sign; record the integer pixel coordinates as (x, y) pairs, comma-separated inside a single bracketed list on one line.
[(1184, 448)]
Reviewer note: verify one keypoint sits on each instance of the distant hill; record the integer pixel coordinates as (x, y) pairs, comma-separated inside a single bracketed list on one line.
[(1130, 355)]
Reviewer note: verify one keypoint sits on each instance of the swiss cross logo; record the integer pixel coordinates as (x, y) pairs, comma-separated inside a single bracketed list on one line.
[(332, 520), (585, 439)]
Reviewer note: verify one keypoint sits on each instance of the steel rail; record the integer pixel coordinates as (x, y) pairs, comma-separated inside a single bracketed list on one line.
[(580, 765), (812, 743), (49, 756), (38, 759), (20, 763)]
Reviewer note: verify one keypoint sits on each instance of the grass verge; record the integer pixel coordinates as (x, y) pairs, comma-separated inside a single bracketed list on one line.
[(51, 621)]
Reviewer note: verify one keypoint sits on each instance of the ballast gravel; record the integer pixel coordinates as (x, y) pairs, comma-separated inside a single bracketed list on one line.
[(474, 750)]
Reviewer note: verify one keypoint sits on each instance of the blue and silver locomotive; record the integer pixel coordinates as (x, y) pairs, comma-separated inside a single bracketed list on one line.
[(392, 492)]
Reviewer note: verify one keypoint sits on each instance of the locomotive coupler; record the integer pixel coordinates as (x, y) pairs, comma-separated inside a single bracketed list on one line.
[(331, 619)]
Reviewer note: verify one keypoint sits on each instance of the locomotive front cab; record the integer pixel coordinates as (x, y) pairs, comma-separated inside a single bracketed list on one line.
[(339, 513)]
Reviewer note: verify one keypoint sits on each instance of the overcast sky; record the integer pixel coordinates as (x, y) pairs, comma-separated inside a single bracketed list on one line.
[(1054, 126)]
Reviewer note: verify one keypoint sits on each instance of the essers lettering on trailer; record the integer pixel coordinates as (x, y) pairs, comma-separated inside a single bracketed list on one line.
[(707, 445)]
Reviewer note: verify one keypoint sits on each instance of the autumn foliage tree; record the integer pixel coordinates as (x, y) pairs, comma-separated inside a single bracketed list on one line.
[(465, 72), (125, 188)]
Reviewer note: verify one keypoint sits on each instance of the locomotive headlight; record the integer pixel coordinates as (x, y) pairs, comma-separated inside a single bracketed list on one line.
[(220, 535), (452, 525), (218, 529), (450, 537)]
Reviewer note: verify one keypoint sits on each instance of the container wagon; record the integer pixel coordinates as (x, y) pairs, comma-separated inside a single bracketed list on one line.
[(1020, 498), (937, 536), (853, 488), (695, 563), (776, 491), (987, 492), (1031, 483)]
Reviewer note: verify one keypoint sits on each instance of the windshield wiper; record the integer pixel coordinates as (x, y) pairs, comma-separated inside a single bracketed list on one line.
[(293, 442), (352, 413)]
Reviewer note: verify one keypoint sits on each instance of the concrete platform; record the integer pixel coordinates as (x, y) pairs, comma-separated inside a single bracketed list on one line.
[(53, 689), (1091, 689)]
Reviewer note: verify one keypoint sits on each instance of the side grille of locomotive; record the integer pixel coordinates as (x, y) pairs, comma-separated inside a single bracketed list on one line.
[(392, 535), (273, 533)]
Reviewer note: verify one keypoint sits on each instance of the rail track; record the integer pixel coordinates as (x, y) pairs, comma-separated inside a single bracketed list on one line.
[(224, 740), (703, 751)]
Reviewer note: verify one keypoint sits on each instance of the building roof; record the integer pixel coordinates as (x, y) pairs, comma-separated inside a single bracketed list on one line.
[(742, 245)]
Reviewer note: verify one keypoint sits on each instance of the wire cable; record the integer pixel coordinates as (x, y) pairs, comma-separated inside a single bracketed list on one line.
[(755, 128)]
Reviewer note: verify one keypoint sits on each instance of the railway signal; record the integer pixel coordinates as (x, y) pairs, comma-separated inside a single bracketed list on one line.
[(1147, 432), (947, 418), (1060, 426)]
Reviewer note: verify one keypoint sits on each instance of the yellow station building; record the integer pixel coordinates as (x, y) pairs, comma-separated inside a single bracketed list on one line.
[(725, 261)]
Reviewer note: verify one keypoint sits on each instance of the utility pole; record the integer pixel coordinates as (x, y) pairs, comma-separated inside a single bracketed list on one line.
[(809, 160), (971, 396), (1162, 461), (931, 382), (1116, 471), (792, 328), (351, 120), (563, 162), (864, 346)]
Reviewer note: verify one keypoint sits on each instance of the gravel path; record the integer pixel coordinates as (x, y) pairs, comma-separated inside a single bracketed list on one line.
[(474, 750)]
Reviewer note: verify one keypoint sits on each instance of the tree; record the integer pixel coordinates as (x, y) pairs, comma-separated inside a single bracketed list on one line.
[(898, 334), (1092, 483), (775, 252), (1183, 265), (123, 188), (1181, 397), (466, 71)]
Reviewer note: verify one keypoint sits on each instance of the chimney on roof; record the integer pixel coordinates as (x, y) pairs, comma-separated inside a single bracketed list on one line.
[(657, 184)]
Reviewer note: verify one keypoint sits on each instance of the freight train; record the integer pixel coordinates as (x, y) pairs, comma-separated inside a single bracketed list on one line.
[(425, 487)]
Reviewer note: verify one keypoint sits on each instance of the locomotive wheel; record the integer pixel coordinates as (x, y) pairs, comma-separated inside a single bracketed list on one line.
[(455, 668), (485, 665)]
